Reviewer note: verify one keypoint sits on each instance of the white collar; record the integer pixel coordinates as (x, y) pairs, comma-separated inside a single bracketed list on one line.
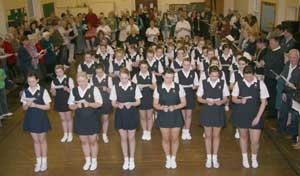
[(144, 75), (226, 57), (33, 91), (159, 58), (164, 86), (119, 62), (275, 49), (89, 64), (61, 79), (125, 87), (178, 61), (251, 83), (186, 74), (101, 78), (213, 84), (84, 90), (151, 62)]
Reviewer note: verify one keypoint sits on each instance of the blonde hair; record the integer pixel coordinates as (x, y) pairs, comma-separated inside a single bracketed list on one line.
[(82, 74), (57, 67)]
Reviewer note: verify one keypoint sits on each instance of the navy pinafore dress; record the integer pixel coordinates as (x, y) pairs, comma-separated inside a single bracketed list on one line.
[(126, 119), (36, 120), (106, 107), (190, 93), (86, 121), (169, 119), (61, 97), (147, 92), (212, 116), (243, 114)]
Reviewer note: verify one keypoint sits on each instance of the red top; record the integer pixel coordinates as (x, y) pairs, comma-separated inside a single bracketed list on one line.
[(8, 49), (39, 48), (92, 19)]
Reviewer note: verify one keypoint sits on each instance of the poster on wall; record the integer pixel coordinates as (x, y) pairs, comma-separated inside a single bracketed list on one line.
[(268, 15)]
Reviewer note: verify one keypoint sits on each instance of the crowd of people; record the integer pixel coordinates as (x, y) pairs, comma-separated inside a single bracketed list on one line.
[(151, 68)]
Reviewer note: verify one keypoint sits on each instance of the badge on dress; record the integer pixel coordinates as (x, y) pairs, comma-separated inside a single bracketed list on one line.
[(130, 88)]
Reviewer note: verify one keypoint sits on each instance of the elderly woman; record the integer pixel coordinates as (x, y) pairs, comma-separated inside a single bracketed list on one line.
[(291, 72)]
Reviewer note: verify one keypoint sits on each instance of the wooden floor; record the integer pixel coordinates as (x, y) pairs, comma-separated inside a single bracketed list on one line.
[(66, 159), (17, 157)]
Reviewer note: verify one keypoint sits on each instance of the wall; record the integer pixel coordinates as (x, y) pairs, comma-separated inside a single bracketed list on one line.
[(98, 5), (282, 6)]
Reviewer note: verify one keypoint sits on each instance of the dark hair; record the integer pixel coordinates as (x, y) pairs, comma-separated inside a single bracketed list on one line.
[(279, 26), (169, 71), (276, 38), (213, 68), (99, 66), (243, 58), (248, 70), (214, 58), (143, 62), (225, 46), (32, 74)]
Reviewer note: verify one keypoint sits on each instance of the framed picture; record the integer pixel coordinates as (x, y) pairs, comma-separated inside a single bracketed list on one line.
[(175, 7)]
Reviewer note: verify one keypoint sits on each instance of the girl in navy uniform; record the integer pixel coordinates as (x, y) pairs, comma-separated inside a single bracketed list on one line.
[(155, 66), (103, 56), (134, 58), (237, 76), (169, 99), (250, 96), (88, 65), (84, 100), (60, 89), (104, 83), (188, 79), (125, 97), (212, 93), (204, 62), (116, 64), (36, 102), (197, 52), (226, 60), (159, 55), (176, 65), (146, 81), (213, 61)]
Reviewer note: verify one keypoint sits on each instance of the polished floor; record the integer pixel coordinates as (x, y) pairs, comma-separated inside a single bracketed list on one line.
[(276, 156), (17, 157)]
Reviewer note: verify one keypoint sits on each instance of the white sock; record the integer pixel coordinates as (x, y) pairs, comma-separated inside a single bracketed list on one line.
[(126, 159), (254, 156), (38, 160), (88, 159), (44, 160), (245, 156), (209, 157), (70, 134), (94, 160), (131, 159), (215, 157), (168, 157), (173, 158)]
